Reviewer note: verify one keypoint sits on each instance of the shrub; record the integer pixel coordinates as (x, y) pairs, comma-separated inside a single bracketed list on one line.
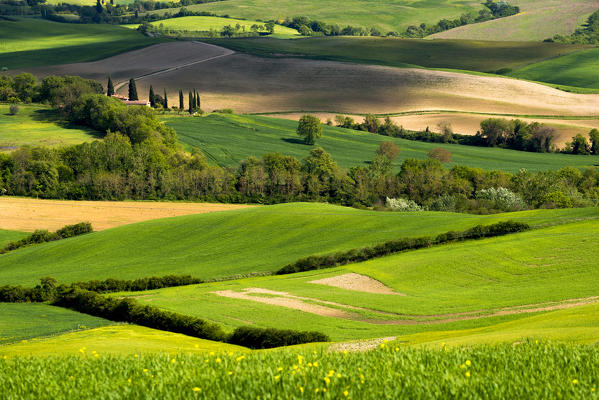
[(260, 338), (440, 154), (74, 230), (14, 109), (502, 198), (402, 205), (42, 236)]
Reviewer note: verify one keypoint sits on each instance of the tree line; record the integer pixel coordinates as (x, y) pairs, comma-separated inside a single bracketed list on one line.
[(587, 34)]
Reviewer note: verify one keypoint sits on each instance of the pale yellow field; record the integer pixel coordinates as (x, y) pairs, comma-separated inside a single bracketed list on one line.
[(251, 84), (24, 214)]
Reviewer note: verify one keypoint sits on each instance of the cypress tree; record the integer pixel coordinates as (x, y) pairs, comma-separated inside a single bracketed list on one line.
[(190, 103), (198, 102), (110, 90), (152, 98), (195, 100), (165, 100), (181, 102), (132, 90)]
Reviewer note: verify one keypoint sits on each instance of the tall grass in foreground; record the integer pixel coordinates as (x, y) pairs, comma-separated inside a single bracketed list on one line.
[(528, 370)]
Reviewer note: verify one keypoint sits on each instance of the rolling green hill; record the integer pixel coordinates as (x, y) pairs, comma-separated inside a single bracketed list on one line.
[(386, 15), (20, 322), (32, 42), (577, 69), (260, 239), (458, 286), (38, 126), (203, 24), (228, 139)]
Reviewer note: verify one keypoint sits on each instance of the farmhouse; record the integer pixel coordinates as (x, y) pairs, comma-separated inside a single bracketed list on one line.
[(131, 102)]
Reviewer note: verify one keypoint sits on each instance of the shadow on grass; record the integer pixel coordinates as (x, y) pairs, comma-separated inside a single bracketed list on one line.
[(54, 116), (294, 141)]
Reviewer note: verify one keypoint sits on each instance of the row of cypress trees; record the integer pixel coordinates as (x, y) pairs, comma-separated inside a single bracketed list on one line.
[(194, 103)]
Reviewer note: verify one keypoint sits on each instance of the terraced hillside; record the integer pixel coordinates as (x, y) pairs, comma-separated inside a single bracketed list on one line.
[(241, 242), (227, 139), (458, 286)]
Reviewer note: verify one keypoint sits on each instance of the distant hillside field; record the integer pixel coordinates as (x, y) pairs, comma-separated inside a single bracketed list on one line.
[(228, 139), (386, 15), (538, 20), (576, 69), (38, 126), (202, 24), (29, 214), (253, 240), (33, 42), (457, 286), (19, 322)]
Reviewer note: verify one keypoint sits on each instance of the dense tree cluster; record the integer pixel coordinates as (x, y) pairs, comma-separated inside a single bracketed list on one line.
[(55, 90), (588, 34), (42, 236)]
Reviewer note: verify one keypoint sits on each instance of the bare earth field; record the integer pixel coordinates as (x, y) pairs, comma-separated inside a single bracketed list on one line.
[(23, 214), (537, 21), (469, 124), (252, 84)]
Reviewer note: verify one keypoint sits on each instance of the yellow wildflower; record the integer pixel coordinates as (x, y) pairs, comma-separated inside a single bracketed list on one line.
[(462, 366), (145, 370), (301, 389), (346, 393), (280, 369), (129, 380), (331, 372), (327, 380), (218, 360), (240, 358), (196, 345), (309, 364), (344, 351), (316, 390), (468, 363), (575, 381), (196, 389), (230, 373), (136, 356), (467, 374), (315, 363), (338, 375), (173, 361), (277, 378)]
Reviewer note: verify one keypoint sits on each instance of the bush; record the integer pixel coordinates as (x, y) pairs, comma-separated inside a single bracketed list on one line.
[(154, 282), (260, 338), (42, 236), (440, 154), (402, 205), (502, 199), (14, 109), (74, 230)]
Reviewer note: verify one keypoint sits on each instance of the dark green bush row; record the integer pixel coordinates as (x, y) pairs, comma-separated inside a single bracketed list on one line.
[(259, 338), (154, 282), (42, 236), (396, 246), (128, 310)]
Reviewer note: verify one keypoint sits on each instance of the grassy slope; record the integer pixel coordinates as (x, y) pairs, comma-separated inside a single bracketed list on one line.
[(547, 265), (36, 42), (387, 15), (227, 139), (538, 20), (578, 69), (9, 236), (467, 55), (26, 321), (37, 125), (236, 242), (579, 325), (117, 339), (195, 24)]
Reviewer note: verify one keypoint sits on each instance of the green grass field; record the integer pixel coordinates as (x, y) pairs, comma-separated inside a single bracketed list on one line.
[(386, 15), (32, 42), (480, 56), (223, 244), (203, 24), (458, 286), (116, 339), (528, 371), (227, 139), (9, 236), (577, 69), (38, 126), (20, 322)]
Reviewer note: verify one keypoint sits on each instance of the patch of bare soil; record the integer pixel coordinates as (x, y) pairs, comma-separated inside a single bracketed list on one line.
[(358, 283), (361, 346), (253, 84), (24, 214)]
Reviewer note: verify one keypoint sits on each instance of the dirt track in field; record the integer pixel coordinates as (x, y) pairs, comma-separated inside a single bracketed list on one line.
[(331, 309), (252, 84), (358, 283), (23, 214)]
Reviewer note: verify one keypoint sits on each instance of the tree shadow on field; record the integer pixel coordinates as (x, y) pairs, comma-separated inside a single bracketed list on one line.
[(55, 117), (294, 141)]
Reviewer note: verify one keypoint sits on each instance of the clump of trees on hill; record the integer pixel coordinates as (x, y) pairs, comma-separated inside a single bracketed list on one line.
[(42, 236), (588, 34)]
